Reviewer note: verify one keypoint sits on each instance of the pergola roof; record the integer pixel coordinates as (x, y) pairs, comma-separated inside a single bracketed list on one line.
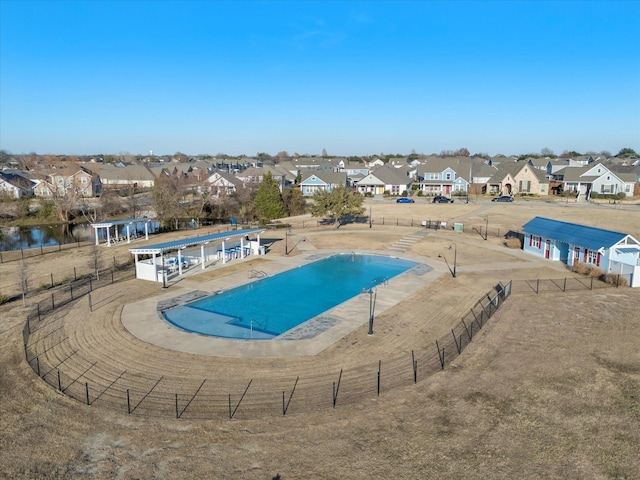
[(160, 248), (125, 221)]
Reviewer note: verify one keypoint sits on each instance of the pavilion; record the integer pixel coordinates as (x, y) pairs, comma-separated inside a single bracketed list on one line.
[(222, 246), (116, 223)]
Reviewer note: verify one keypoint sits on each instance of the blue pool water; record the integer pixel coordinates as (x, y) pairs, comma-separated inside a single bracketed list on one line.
[(271, 306)]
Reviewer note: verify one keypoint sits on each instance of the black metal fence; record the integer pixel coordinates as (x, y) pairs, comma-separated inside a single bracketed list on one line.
[(32, 286), (24, 253), (92, 381), (555, 285)]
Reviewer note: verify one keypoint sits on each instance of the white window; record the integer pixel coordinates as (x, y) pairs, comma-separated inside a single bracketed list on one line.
[(536, 241), (448, 176), (592, 257)]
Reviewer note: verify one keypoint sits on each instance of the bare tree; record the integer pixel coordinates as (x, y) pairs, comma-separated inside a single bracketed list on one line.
[(95, 261), (23, 276), (546, 152), (168, 192)]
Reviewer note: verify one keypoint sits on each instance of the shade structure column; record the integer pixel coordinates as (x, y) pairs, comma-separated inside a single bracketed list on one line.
[(180, 261), (241, 247), (224, 254), (202, 254), (128, 233), (108, 236), (96, 230), (146, 230)]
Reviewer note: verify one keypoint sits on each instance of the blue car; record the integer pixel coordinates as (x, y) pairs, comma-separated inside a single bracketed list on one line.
[(405, 200)]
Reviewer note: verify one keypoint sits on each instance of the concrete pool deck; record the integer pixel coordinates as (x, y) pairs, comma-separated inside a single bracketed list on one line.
[(143, 320)]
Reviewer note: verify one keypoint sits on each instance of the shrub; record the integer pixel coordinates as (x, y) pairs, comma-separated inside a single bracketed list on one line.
[(3, 298), (513, 242), (587, 270), (615, 279), (420, 194)]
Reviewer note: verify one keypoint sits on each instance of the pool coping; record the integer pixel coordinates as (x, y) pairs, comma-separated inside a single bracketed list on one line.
[(142, 321)]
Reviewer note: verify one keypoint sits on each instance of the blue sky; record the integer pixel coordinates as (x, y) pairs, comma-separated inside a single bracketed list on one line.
[(354, 78)]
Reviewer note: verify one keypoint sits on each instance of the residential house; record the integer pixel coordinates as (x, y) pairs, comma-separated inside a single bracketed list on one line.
[(68, 181), (255, 174), (385, 179), (518, 177), (570, 243), (314, 163), (223, 183), (122, 175), (321, 180), (438, 176), (595, 178), (13, 185)]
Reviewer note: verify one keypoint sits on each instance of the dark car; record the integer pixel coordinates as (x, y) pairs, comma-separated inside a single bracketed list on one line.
[(405, 200), (503, 198), (442, 199)]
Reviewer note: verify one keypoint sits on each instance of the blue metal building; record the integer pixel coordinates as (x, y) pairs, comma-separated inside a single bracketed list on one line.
[(570, 243)]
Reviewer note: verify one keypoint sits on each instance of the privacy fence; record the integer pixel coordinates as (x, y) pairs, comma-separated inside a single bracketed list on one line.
[(91, 379)]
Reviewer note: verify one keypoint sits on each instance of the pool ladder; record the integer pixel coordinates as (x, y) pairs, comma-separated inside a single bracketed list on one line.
[(257, 274)]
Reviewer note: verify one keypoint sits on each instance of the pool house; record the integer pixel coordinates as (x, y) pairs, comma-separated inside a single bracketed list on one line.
[(170, 259), (570, 243)]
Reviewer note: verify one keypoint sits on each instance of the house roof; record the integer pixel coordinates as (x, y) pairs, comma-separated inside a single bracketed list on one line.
[(16, 180), (330, 178), (514, 168), (188, 242), (590, 237), (391, 176)]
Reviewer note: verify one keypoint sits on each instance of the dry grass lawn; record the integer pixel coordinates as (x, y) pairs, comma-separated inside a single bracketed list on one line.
[(550, 388)]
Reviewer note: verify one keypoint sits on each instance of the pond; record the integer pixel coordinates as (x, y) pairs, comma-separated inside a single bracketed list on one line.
[(34, 236)]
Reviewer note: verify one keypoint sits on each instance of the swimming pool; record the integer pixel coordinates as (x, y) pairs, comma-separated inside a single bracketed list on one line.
[(271, 306)]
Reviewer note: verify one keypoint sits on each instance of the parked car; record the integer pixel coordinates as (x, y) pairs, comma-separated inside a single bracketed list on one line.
[(442, 199), (503, 198), (405, 200)]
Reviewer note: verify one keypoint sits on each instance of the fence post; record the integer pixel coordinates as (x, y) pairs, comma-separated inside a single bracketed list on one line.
[(177, 414), (53, 302), (440, 354), (38, 365), (59, 384), (414, 364), (379, 367), (52, 280), (71, 290), (28, 327), (86, 386), (75, 277), (336, 389), (90, 283), (90, 304), (564, 286), (112, 276), (458, 347), (128, 403), (537, 286)]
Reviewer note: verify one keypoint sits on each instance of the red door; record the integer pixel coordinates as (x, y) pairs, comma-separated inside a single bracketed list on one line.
[(547, 248)]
